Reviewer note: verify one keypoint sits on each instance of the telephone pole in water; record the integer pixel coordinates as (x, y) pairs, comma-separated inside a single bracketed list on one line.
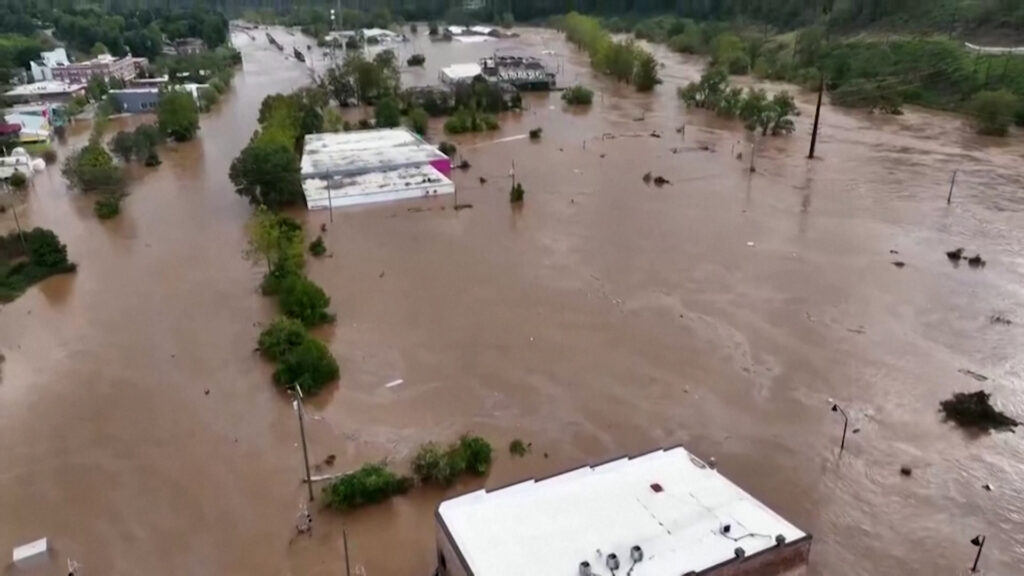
[(817, 117)]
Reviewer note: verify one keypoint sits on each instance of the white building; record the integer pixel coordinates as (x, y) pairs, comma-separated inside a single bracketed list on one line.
[(368, 166), (42, 69), (665, 513), (459, 73)]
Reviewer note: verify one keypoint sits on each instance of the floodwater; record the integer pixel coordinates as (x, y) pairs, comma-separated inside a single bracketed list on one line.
[(604, 317)]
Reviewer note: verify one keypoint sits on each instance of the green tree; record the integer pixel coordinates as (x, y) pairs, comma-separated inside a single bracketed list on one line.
[(275, 238), (578, 96), (645, 74), (708, 91), (993, 111), (267, 172), (310, 366), (768, 115), (177, 115), (387, 113), (303, 300), (123, 145), (419, 121), (98, 49), (281, 338)]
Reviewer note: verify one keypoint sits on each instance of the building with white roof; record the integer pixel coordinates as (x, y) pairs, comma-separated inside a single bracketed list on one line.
[(460, 72), (368, 166), (48, 91), (42, 69), (665, 513)]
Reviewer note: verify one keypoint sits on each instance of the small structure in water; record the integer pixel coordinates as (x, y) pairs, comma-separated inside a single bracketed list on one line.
[(665, 513)]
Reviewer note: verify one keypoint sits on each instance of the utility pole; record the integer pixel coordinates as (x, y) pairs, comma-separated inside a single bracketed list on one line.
[(846, 423), (302, 432), (952, 183), (979, 542), (817, 116), (348, 566)]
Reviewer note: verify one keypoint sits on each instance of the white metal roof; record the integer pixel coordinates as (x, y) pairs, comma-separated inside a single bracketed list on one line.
[(364, 151), (547, 527), (461, 71), (382, 186), (46, 87)]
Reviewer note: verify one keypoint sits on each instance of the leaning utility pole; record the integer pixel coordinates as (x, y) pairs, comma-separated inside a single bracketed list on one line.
[(817, 116), (302, 432)]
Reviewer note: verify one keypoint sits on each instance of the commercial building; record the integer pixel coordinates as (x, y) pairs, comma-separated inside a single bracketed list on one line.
[(104, 66), (143, 100), (665, 513), (32, 127), (42, 69), (368, 166), (48, 91), (459, 73)]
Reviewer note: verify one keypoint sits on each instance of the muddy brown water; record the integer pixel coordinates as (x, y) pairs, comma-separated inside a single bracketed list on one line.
[(605, 317)]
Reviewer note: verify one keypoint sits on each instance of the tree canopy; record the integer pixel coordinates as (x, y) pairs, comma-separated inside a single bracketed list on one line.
[(177, 115)]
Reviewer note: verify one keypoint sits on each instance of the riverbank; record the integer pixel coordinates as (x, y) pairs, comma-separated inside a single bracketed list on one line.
[(604, 317)]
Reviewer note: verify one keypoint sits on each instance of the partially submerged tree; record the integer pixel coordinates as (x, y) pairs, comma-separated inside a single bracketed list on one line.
[(267, 173), (994, 112), (387, 113), (177, 115), (974, 410)]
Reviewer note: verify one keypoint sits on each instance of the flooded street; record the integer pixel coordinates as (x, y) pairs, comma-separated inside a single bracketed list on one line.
[(605, 317)]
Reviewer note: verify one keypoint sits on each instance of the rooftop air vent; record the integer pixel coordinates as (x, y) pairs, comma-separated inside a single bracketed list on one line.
[(636, 554), (585, 569), (612, 561), (780, 539), (739, 552), (726, 529)]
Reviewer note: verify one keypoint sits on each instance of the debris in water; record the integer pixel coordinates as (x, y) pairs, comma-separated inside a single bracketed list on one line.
[(899, 264), (394, 383), (329, 461), (483, 180), (855, 431), (906, 470), (987, 487), (206, 392), (545, 455), (381, 275), (463, 206), (647, 178), (661, 181), (894, 251), (751, 244), (955, 255), (976, 261), (602, 155), (1000, 319), (973, 374), (654, 134), (465, 165), (973, 410), (323, 227)]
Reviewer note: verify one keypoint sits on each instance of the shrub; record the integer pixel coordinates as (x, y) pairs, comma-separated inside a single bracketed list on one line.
[(29, 257), (45, 250), (477, 453), (18, 180), (578, 96), (416, 60), (317, 247), (518, 448), (310, 366), (107, 206), (993, 112), (973, 410), (419, 121), (371, 484), (302, 299), (387, 113), (517, 194), (281, 338), (448, 149), (274, 281), (50, 156), (470, 120)]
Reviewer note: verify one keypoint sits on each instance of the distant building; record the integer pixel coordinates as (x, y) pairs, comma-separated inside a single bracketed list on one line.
[(367, 166), (661, 514), (47, 91), (473, 5), (459, 73), (104, 66), (42, 69), (33, 127), (144, 100), (186, 46)]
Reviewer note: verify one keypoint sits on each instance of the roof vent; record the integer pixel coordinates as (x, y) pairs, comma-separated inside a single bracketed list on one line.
[(726, 529), (636, 554), (780, 539), (585, 569), (656, 487), (612, 561), (739, 552)]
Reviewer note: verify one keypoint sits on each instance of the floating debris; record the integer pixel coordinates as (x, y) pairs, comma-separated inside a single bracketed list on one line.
[(465, 206), (655, 134), (329, 461), (987, 487), (465, 165), (661, 181), (973, 410), (899, 264), (1000, 319), (906, 470), (894, 251), (647, 178), (483, 180), (976, 261), (955, 255), (973, 374)]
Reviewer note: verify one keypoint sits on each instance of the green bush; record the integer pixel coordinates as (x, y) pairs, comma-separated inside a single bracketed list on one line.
[(18, 180), (371, 484), (281, 338), (470, 454), (388, 113), (317, 247), (469, 120), (310, 366), (419, 121), (302, 299), (274, 281), (29, 258), (994, 112), (518, 448), (578, 96), (107, 206), (517, 194)]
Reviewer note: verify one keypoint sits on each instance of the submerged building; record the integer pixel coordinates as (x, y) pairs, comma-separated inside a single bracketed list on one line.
[(665, 513), (368, 166)]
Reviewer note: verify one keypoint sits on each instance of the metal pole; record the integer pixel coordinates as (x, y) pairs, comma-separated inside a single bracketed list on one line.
[(817, 116), (17, 223), (330, 203), (344, 538), (977, 556), (952, 183), (753, 152), (846, 423), (302, 432)]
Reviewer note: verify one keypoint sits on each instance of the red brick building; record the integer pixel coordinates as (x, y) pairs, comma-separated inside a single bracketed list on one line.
[(104, 66)]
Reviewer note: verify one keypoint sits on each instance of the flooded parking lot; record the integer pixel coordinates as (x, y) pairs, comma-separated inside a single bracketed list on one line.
[(606, 317)]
